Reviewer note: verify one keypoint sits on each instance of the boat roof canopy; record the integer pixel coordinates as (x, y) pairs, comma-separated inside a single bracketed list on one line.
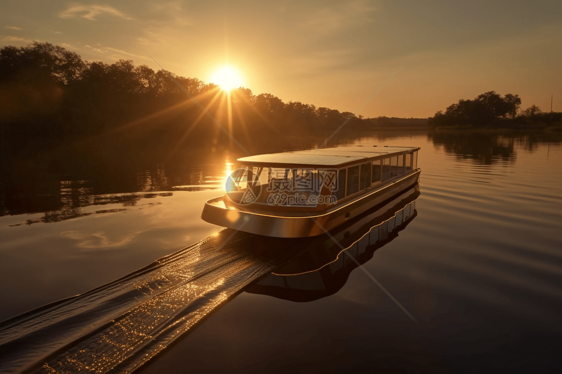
[(324, 157)]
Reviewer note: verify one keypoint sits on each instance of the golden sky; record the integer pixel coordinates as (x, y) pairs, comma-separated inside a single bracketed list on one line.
[(327, 53)]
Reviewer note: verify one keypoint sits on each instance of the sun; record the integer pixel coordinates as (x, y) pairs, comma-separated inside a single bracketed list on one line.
[(227, 78)]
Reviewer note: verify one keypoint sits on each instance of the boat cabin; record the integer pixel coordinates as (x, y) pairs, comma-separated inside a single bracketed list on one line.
[(317, 179)]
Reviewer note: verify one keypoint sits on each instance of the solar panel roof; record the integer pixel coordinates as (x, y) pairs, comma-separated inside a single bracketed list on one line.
[(325, 156)]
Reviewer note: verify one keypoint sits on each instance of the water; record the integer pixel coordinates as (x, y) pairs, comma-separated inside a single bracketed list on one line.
[(478, 266), (124, 323)]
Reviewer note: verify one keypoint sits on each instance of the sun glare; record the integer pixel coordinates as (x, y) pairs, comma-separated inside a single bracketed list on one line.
[(227, 78)]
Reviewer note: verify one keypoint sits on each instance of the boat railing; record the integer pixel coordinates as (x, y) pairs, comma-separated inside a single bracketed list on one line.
[(308, 187)]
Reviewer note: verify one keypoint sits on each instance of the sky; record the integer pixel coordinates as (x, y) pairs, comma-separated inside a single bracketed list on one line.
[(331, 54)]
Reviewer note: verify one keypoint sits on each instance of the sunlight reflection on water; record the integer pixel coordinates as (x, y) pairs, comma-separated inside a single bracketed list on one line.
[(479, 266)]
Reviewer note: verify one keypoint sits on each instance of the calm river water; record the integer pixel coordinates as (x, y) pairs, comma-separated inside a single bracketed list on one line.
[(462, 274)]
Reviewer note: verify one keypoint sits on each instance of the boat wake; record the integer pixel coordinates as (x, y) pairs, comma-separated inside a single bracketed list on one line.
[(123, 324)]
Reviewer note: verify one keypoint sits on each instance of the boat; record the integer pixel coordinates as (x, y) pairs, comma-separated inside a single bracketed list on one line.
[(308, 193), (325, 263)]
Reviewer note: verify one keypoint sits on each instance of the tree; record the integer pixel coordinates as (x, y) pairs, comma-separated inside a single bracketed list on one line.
[(484, 109), (513, 103), (268, 103), (50, 96), (532, 111), (42, 61)]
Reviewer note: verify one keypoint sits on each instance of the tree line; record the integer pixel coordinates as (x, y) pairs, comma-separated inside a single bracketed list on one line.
[(50, 96), (492, 109)]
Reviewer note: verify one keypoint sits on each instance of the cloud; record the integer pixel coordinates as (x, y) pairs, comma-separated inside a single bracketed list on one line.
[(94, 49), (112, 53), (91, 11), (16, 39), (13, 28), (123, 52)]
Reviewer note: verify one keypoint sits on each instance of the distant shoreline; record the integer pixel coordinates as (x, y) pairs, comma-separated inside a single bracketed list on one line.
[(517, 126), (394, 123)]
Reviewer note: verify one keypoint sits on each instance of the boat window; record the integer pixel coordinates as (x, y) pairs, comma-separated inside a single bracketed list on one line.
[(339, 192), (401, 165), (408, 163), (365, 176), (279, 179), (236, 180), (385, 169), (376, 173), (393, 166), (242, 180), (415, 160), (259, 175), (352, 180), (278, 173), (303, 180)]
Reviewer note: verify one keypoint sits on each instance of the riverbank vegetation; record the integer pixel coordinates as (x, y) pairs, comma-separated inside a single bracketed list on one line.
[(491, 110), (50, 98)]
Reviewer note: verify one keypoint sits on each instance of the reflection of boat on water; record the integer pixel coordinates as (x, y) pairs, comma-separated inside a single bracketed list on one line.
[(304, 193), (323, 269)]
